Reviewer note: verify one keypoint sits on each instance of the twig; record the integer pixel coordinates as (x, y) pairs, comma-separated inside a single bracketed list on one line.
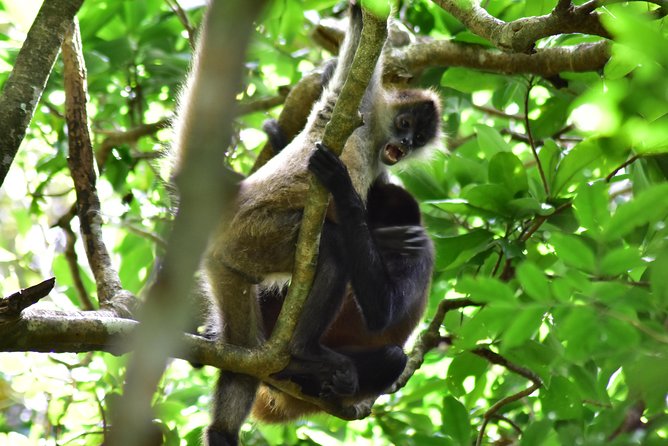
[(512, 424), (632, 420), (429, 339), (499, 113), (264, 103), (497, 359), (626, 163), (538, 221), (183, 18), (532, 144), (73, 265), (116, 138), (12, 305)]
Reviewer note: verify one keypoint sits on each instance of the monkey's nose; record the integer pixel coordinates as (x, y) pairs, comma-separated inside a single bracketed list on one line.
[(405, 141)]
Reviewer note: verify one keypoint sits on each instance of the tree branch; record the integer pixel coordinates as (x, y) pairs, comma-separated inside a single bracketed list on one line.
[(495, 358), (25, 85), (110, 291), (544, 62), (520, 36), (345, 118), (204, 188), (429, 339), (114, 139)]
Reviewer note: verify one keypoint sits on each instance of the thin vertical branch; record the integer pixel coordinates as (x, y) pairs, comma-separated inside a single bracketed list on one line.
[(81, 163), (532, 143), (345, 118)]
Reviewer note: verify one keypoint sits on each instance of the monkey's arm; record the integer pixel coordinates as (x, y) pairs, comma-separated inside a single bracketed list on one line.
[(385, 282)]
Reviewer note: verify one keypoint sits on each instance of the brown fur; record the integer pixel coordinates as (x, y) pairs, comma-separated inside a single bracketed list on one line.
[(258, 241)]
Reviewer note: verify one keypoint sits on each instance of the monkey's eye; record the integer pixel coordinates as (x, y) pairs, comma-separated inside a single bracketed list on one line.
[(419, 138), (402, 122)]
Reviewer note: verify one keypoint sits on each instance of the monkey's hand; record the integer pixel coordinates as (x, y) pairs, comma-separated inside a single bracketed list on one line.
[(401, 240), (329, 170), (326, 375)]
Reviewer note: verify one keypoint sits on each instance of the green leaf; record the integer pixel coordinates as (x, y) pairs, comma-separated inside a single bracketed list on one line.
[(488, 322), (456, 422), (541, 433), (591, 206), (454, 251), (580, 330), (553, 116), (549, 156), (466, 170), (490, 140), (561, 399), (533, 281), (506, 169), (648, 207), (469, 81), (620, 260), (462, 366), (658, 277), (573, 251), (523, 327), (529, 206), (485, 289), (489, 197), (574, 163), (647, 376)]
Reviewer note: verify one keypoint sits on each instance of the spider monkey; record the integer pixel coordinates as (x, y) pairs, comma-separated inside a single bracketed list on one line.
[(389, 277), (256, 245)]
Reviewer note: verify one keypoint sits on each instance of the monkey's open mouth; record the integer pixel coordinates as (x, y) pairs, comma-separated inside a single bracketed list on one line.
[(392, 154)]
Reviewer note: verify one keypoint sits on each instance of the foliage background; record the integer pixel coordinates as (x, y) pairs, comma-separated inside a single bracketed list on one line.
[(571, 265)]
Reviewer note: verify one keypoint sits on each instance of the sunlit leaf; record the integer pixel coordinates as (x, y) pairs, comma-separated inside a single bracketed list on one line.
[(649, 206)]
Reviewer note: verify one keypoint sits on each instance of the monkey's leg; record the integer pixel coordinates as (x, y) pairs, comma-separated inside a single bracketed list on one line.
[(319, 370), (232, 402), (235, 393)]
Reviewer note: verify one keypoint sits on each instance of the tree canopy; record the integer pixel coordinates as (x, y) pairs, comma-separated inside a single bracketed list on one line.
[(547, 321)]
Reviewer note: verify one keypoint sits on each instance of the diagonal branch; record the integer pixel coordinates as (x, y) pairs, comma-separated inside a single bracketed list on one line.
[(25, 85), (208, 112), (521, 35), (344, 120), (495, 358)]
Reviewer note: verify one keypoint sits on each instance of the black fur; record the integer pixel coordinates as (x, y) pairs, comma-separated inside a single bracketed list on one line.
[(385, 254)]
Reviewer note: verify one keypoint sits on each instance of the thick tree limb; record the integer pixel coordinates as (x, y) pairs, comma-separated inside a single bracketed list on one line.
[(543, 62), (110, 291), (46, 331), (204, 189), (520, 36), (28, 78)]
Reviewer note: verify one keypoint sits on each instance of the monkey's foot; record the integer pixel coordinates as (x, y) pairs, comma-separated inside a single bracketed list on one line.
[(324, 376)]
